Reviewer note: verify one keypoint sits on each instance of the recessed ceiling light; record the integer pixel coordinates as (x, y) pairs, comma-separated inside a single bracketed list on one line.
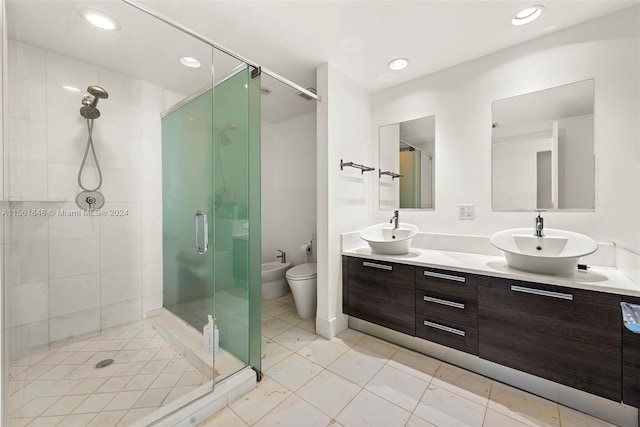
[(190, 62), (265, 91), (71, 88), (398, 64), (526, 15), (101, 20)]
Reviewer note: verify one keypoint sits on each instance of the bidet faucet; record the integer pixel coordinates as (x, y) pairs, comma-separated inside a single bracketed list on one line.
[(282, 256), (539, 223), (395, 219)]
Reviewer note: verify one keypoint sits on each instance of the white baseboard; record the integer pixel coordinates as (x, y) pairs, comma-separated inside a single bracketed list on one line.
[(330, 328)]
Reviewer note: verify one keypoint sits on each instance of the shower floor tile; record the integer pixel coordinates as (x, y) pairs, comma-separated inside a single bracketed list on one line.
[(63, 386)]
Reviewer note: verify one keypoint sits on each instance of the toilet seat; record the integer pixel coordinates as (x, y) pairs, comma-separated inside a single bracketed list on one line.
[(305, 271)]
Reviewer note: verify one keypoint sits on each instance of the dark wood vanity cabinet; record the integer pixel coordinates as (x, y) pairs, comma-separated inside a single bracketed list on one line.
[(570, 336), (630, 362), (566, 335), (447, 308), (380, 292)]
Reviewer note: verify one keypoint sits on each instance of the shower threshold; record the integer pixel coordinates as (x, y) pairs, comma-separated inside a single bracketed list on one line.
[(202, 403), (188, 341)]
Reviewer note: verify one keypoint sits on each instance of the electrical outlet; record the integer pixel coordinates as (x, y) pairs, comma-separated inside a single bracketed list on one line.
[(465, 211)]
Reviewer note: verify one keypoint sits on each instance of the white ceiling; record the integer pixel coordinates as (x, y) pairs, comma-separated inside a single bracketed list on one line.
[(291, 37), (418, 131), (360, 37)]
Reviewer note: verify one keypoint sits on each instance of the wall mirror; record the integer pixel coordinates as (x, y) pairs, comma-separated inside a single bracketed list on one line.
[(542, 150), (406, 166)]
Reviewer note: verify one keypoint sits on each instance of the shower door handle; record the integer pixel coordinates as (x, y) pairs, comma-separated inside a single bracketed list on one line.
[(205, 229)]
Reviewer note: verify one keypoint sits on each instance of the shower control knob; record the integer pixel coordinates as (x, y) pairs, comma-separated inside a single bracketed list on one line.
[(90, 200)]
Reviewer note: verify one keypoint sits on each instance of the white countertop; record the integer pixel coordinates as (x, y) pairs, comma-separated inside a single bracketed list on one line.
[(602, 279)]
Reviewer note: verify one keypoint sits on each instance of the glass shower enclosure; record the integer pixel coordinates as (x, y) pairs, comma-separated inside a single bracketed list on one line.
[(210, 155), (99, 304)]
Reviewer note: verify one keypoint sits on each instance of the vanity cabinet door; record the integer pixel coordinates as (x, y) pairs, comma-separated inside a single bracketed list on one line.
[(380, 292), (630, 363), (565, 335)]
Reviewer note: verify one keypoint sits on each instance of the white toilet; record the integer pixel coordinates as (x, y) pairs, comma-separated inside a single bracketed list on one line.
[(303, 281)]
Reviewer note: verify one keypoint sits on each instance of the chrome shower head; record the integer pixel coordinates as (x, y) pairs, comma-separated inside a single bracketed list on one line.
[(90, 101), (89, 112)]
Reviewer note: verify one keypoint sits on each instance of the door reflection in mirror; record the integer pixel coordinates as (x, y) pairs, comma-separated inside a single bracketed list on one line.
[(407, 163), (543, 150)]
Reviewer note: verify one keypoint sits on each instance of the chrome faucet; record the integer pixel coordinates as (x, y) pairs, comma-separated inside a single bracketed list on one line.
[(395, 219), (539, 224), (282, 256)]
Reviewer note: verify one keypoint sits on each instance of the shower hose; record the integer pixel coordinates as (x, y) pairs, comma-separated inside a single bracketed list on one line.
[(95, 159)]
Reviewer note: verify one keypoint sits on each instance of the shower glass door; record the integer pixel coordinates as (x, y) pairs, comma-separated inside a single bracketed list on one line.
[(211, 215), (187, 181)]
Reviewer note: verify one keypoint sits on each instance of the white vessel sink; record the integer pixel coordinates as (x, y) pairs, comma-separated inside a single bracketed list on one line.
[(557, 252), (384, 240)]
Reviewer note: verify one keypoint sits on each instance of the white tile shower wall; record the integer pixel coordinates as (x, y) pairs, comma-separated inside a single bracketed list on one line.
[(288, 186), (607, 49), (74, 275)]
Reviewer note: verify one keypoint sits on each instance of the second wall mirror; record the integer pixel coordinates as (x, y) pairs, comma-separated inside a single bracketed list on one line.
[(543, 150), (406, 164)]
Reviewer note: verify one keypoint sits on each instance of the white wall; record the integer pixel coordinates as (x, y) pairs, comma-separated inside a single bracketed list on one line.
[(69, 276), (344, 132), (607, 49), (288, 186), (4, 352), (389, 191)]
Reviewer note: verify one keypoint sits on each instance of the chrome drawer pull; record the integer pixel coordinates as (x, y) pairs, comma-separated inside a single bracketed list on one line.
[(444, 302), (380, 266), (444, 328), (445, 276), (541, 292)]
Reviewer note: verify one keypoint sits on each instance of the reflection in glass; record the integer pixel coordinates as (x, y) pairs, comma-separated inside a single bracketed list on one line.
[(407, 164), (543, 150)]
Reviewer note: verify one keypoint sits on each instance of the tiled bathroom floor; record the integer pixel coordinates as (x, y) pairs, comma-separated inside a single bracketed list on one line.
[(357, 380), (62, 386)]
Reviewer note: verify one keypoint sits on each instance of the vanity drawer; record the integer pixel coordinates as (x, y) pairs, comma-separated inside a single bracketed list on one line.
[(449, 334), (451, 309), (447, 283)]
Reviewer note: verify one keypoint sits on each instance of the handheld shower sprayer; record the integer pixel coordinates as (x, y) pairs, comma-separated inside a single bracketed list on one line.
[(90, 198), (90, 100)]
